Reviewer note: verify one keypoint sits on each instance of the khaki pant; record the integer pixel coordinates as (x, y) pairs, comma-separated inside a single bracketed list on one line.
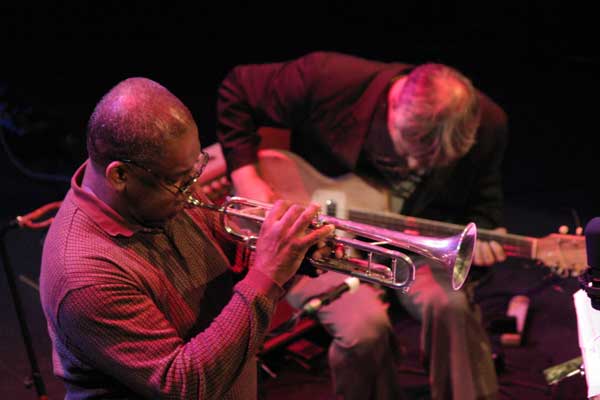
[(454, 345), (363, 353)]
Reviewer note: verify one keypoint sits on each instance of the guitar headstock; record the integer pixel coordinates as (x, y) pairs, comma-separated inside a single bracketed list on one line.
[(564, 253)]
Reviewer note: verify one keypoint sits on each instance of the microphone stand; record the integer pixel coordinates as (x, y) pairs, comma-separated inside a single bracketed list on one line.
[(25, 222)]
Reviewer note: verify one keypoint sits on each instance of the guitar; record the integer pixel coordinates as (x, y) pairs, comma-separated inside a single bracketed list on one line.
[(353, 198)]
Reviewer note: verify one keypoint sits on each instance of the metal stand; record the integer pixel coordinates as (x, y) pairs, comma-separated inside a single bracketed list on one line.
[(25, 222), (36, 376)]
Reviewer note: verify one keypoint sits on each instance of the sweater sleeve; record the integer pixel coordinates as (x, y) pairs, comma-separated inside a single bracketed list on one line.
[(117, 329)]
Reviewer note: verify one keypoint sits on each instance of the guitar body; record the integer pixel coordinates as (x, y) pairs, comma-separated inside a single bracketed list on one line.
[(294, 179)]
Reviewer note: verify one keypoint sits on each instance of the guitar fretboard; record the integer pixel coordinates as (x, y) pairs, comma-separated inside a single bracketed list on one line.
[(513, 245)]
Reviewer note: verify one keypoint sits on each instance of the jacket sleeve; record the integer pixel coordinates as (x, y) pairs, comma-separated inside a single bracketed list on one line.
[(301, 95), (251, 96)]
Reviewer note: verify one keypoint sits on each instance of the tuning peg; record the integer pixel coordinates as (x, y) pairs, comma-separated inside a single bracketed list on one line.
[(579, 231), (563, 229)]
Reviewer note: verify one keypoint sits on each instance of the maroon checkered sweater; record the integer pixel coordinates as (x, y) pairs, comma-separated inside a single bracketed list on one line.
[(149, 313)]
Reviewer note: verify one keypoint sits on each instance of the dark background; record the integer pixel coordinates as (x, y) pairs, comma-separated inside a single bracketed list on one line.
[(537, 59)]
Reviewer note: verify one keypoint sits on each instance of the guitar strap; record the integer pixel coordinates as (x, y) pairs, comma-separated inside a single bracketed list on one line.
[(401, 191)]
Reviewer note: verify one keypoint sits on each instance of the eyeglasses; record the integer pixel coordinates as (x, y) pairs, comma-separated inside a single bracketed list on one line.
[(183, 187)]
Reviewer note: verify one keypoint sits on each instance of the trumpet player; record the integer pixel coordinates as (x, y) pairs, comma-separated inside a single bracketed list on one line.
[(134, 286)]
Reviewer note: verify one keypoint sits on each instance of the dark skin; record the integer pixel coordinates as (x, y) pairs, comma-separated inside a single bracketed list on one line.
[(142, 197)]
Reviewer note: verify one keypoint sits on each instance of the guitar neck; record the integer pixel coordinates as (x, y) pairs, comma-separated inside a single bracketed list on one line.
[(513, 245)]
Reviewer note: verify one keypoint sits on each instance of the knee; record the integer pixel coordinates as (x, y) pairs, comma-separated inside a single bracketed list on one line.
[(369, 335)]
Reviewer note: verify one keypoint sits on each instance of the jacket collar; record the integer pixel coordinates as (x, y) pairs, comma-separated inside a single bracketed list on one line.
[(360, 116)]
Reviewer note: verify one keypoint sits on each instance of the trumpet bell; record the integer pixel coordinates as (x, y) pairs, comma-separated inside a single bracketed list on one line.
[(463, 256)]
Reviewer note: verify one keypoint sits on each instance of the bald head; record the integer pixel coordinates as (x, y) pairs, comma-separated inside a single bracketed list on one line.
[(133, 120)]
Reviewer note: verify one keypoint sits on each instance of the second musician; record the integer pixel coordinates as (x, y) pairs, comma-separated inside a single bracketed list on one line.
[(433, 139)]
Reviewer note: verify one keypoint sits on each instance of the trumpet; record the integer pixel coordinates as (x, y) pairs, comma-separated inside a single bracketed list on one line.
[(455, 253)]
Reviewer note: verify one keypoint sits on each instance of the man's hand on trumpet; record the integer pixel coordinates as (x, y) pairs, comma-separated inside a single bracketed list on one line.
[(284, 240)]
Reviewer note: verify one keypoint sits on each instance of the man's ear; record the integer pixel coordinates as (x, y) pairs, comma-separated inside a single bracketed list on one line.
[(116, 174)]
